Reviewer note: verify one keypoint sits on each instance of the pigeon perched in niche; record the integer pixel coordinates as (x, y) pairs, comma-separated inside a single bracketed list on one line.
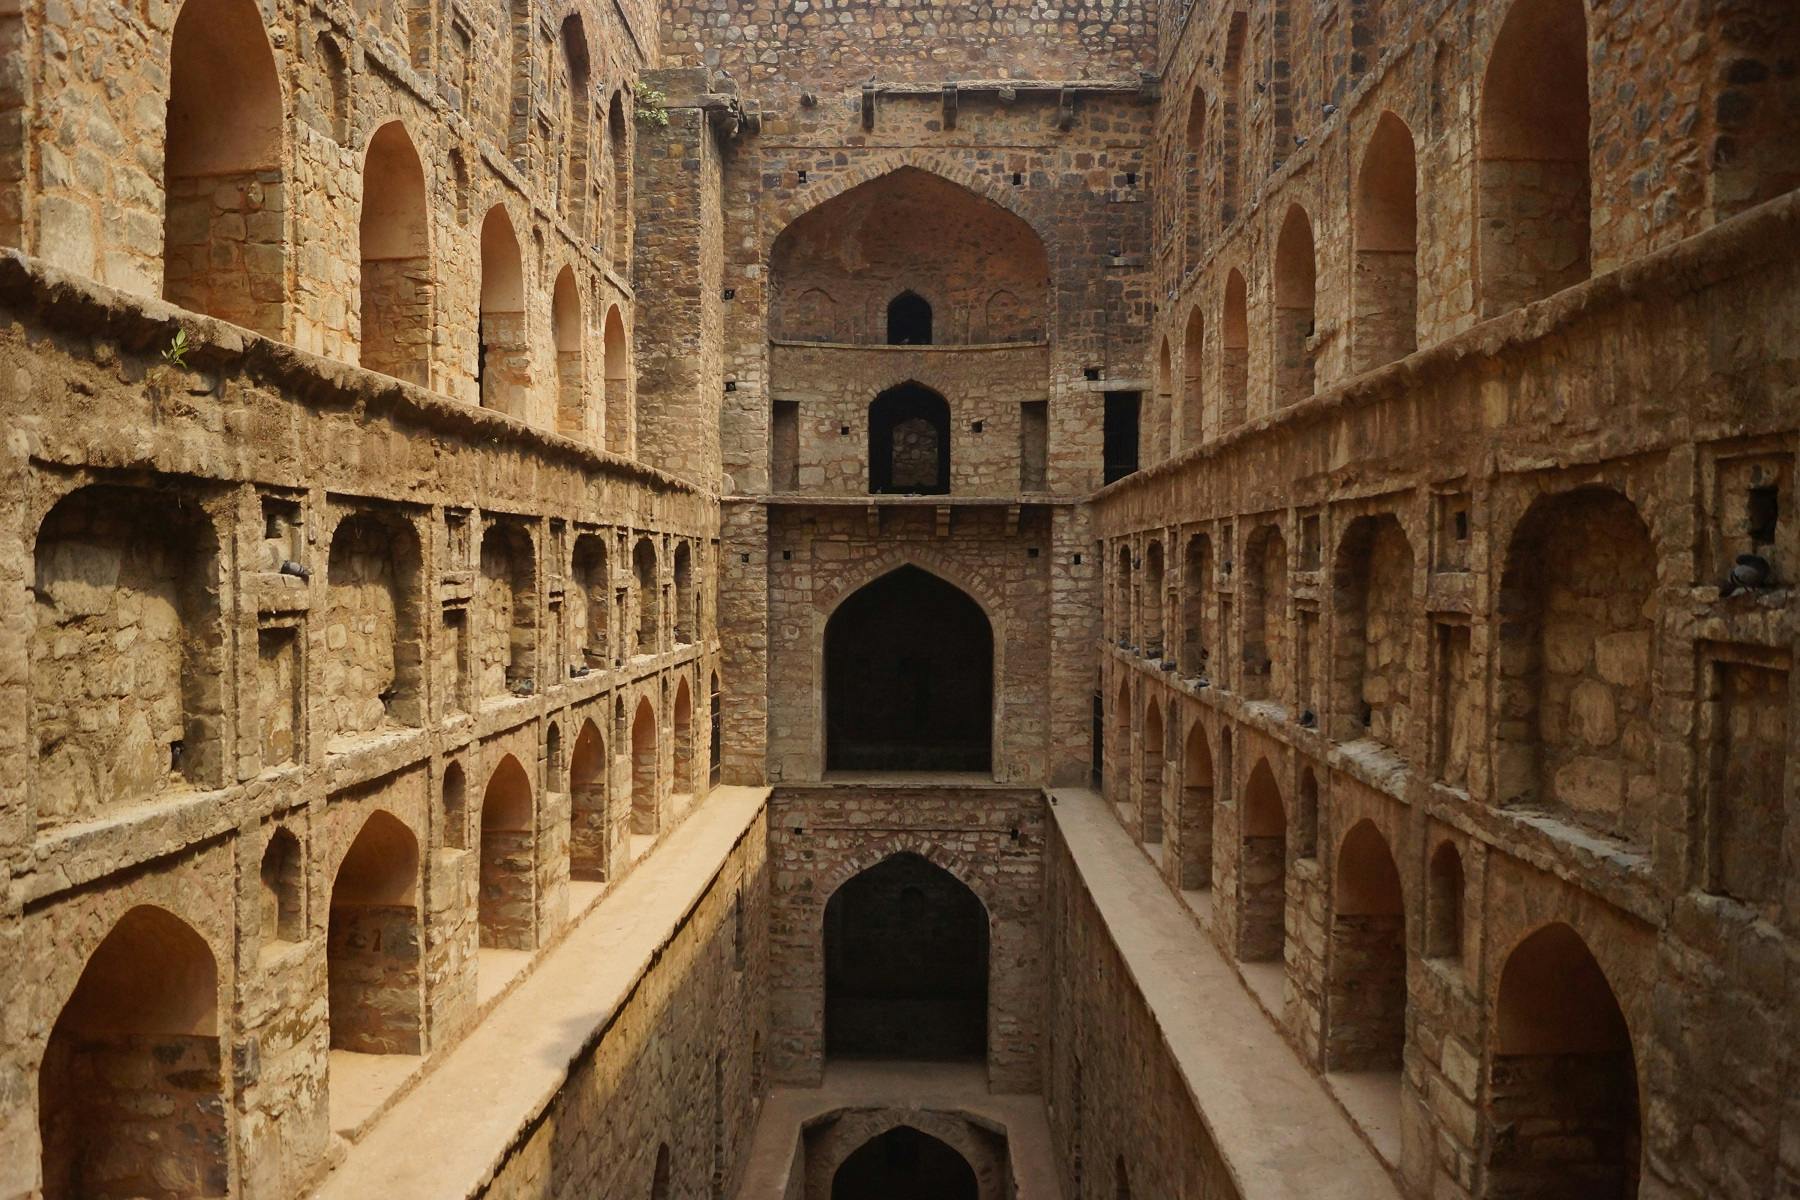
[(1750, 572), (297, 570)]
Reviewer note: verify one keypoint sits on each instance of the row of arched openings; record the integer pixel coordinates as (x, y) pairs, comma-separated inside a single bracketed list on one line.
[(225, 140), (1560, 1061), (132, 1085), (1533, 206)]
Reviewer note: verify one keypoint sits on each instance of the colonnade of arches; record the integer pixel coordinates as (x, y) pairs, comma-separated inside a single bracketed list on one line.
[(1531, 224), (134, 1086), (226, 138), (1559, 1098)]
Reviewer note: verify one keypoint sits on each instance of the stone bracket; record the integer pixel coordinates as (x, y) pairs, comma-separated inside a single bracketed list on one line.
[(943, 520), (949, 106), (868, 106)]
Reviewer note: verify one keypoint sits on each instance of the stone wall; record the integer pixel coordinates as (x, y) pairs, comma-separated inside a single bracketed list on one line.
[(990, 839), (678, 1070)]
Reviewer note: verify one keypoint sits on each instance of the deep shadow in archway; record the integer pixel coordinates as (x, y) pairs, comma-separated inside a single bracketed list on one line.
[(909, 442), (906, 965), (909, 678), (904, 1164)]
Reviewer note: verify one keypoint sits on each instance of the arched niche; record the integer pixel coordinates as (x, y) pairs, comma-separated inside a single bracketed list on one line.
[(908, 231), (909, 678), (507, 899), (905, 1162), (906, 965), (396, 287), (909, 441), (373, 949)]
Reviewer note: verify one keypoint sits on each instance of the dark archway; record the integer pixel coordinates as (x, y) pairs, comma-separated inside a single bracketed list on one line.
[(906, 965), (909, 442), (903, 1164), (909, 320), (909, 678)]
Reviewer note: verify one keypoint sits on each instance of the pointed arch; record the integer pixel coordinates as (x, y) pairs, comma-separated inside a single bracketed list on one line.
[(503, 360), (909, 677), (1193, 369), (1386, 228), (616, 363), (646, 801), (1532, 193), (1296, 276), (1366, 986), (372, 948), (1193, 189), (1234, 353), (224, 232), (571, 374), (506, 904), (1151, 776), (682, 719), (396, 288), (909, 441), (590, 826), (618, 226), (1262, 869), (1194, 832), (132, 1079)]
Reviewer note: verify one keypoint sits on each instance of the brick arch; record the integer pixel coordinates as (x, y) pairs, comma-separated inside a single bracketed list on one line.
[(978, 589), (874, 853), (883, 163)]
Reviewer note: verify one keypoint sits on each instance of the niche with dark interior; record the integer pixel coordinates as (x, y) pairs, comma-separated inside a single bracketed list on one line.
[(909, 678), (909, 320), (906, 965), (1119, 435), (902, 1163), (909, 442)]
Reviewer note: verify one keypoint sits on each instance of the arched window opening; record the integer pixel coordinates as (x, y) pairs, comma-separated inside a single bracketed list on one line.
[(507, 600), (909, 320), (335, 104), (554, 778), (1196, 580), (590, 607), (1296, 271), (396, 288), (686, 597), (1373, 581), (1366, 997), (1153, 600), (646, 806), (503, 360), (374, 653), (1265, 590), (647, 597), (283, 879), (571, 375), (1193, 389), (909, 678), (1234, 354), (909, 442), (113, 564), (456, 808), (1386, 282), (372, 950), (905, 1162), (682, 785), (617, 400), (1564, 1078), (906, 965), (1576, 645), (1306, 816), (1532, 194), (131, 1088), (588, 832), (618, 140), (1194, 189), (1262, 869), (1444, 904), (505, 905), (1231, 150), (1150, 794), (224, 244), (1196, 824)]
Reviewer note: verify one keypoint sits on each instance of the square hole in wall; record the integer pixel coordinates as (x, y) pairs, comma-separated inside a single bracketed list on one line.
[(1751, 528), (1310, 545), (282, 540)]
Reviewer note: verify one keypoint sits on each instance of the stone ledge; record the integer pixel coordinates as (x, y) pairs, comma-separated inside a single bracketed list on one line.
[(1278, 1131)]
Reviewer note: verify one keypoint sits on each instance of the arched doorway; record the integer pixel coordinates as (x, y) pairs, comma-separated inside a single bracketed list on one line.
[(1563, 1121), (130, 1097), (1366, 989), (508, 860), (909, 442), (909, 320), (906, 965), (909, 678), (903, 1164)]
